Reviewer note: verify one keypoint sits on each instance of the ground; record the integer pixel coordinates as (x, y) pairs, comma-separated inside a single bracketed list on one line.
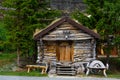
[(53, 78)]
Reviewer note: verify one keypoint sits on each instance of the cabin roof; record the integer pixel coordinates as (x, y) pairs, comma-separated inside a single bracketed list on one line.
[(58, 22)]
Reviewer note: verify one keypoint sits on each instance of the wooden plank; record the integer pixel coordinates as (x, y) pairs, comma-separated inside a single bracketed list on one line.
[(82, 46), (57, 31), (44, 68), (81, 34), (63, 38), (52, 39), (65, 24), (83, 52), (66, 28), (50, 54), (74, 35)]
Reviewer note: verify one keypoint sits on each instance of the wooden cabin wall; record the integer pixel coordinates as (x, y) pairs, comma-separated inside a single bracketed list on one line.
[(54, 51), (83, 50), (80, 51), (81, 43), (50, 51), (66, 32)]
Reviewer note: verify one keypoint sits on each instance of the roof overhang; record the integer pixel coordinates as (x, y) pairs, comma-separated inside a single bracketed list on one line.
[(59, 22)]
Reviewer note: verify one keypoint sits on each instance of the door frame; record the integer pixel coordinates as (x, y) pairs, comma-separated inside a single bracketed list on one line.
[(58, 51)]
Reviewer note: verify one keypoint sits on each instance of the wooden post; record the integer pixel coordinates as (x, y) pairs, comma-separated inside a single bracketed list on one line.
[(94, 48), (38, 51), (41, 49)]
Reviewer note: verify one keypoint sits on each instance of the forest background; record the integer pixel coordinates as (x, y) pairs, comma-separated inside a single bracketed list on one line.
[(21, 18)]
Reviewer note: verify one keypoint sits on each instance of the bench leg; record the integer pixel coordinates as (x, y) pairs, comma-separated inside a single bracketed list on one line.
[(28, 70), (104, 72), (43, 71), (88, 70)]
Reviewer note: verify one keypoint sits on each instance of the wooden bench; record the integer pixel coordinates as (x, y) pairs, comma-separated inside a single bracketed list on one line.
[(43, 68), (102, 69), (96, 65)]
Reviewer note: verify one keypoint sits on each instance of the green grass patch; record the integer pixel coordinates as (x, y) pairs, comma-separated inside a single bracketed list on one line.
[(113, 75), (7, 58), (33, 73), (116, 75)]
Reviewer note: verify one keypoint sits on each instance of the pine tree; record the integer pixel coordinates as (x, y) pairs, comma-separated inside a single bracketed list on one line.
[(2, 36), (102, 15), (22, 18)]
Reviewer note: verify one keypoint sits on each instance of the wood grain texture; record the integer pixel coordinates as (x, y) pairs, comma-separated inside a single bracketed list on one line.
[(74, 33)]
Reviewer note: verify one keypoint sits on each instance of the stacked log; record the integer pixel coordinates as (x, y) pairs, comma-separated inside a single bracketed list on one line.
[(82, 50)]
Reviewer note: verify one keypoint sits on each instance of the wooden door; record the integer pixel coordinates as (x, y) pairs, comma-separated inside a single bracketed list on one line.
[(65, 52)]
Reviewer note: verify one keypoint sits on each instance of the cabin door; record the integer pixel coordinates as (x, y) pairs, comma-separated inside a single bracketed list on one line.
[(65, 52)]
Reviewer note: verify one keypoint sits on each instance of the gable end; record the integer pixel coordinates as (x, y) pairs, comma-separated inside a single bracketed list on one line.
[(59, 22)]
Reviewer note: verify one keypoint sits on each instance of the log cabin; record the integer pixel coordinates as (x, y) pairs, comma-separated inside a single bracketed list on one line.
[(67, 45)]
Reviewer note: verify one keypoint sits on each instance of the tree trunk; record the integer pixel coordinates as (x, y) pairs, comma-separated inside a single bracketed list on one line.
[(35, 52), (18, 57), (118, 50)]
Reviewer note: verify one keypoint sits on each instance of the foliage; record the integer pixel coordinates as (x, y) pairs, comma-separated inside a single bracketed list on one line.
[(2, 35), (2, 31), (22, 18), (5, 46), (113, 64), (104, 15)]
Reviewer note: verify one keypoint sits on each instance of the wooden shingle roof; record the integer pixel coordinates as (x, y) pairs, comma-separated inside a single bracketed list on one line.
[(59, 22)]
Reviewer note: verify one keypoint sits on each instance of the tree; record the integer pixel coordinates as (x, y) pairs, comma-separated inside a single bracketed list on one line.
[(22, 18), (103, 15), (2, 36)]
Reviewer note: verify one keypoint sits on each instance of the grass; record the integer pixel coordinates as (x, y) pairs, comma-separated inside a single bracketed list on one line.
[(9, 58), (38, 74), (114, 76), (6, 58), (33, 73), (108, 76)]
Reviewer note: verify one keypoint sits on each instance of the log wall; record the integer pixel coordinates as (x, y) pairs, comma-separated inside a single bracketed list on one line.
[(66, 32), (83, 50), (50, 51), (82, 43)]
